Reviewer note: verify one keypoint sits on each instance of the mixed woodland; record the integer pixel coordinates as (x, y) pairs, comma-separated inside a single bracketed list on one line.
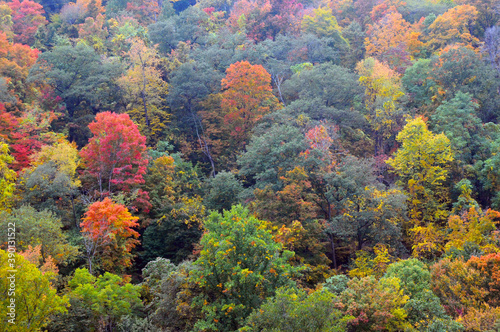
[(250, 165)]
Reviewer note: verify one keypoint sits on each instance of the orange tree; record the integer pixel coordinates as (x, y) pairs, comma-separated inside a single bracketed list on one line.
[(454, 26), (15, 62), (487, 15), (373, 305), (247, 96), (473, 230), (488, 267), (468, 287), (392, 40), (108, 232)]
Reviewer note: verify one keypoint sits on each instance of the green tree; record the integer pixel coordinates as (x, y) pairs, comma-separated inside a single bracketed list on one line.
[(464, 201), (240, 264), (271, 155), (349, 198), (190, 84), (457, 119), (374, 305), (35, 298), (431, 81), (84, 80), (52, 183), (488, 169), (492, 45), (222, 191), (337, 283), (295, 310), (424, 309), (167, 291), (419, 86), (108, 296), (355, 35), (183, 27), (371, 215), (35, 228), (174, 187), (323, 24), (326, 86)]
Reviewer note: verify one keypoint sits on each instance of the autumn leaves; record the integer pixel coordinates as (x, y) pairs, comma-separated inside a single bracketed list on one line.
[(115, 160)]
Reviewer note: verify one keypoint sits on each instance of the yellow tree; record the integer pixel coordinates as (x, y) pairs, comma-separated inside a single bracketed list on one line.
[(453, 27), (64, 156), (6, 20), (94, 33), (146, 90), (383, 90), (364, 265), (7, 177), (35, 299), (428, 240), (323, 24), (474, 227), (52, 181), (422, 164), (174, 187)]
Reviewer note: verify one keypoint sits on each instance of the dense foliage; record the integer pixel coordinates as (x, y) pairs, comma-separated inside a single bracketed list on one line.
[(250, 165)]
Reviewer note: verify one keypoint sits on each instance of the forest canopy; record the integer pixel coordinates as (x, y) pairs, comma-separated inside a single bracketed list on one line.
[(250, 165)]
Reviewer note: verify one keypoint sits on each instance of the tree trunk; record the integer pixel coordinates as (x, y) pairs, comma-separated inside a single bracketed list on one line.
[(332, 242), (73, 207), (201, 140), (143, 92), (278, 80)]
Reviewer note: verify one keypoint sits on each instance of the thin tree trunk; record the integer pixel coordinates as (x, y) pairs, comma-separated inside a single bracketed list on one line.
[(201, 140), (73, 207), (332, 242), (143, 92), (100, 184), (145, 108), (278, 80)]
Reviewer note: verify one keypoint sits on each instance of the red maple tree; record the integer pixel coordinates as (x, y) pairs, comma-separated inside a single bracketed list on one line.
[(116, 155), (28, 16)]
